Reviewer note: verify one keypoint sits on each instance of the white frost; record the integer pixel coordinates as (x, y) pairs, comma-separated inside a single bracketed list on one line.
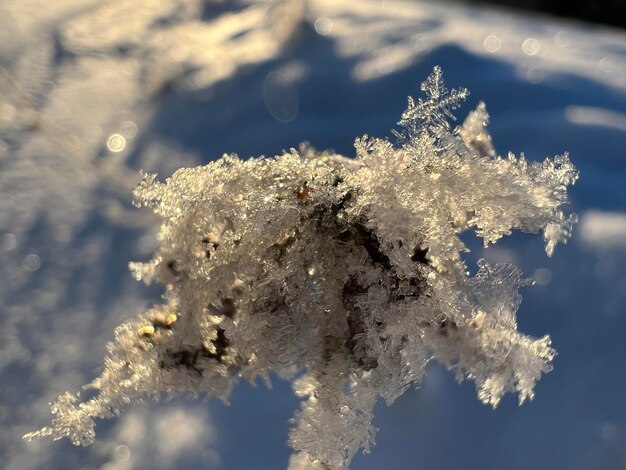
[(344, 273)]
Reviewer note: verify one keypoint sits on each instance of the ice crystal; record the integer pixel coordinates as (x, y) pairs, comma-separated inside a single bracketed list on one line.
[(434, 112), (344, 275)]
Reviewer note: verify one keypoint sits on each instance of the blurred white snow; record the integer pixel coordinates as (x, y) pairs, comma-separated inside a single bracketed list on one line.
[(604, 231)]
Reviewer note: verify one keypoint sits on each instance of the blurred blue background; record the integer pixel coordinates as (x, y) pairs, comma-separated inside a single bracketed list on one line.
[(91, 92)]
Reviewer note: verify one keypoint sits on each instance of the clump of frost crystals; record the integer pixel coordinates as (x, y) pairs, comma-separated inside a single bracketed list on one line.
[(342, 274)]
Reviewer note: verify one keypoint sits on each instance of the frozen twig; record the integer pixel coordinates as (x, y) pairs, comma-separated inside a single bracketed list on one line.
[(344, 274)]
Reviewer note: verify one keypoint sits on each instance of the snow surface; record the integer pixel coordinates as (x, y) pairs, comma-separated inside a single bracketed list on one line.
[(91, 92)]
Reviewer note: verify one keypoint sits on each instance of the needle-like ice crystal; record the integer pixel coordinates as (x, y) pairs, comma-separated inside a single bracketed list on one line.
[(342, 274)]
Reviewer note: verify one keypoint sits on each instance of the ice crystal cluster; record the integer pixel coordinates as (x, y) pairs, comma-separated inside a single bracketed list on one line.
[(342, 274)]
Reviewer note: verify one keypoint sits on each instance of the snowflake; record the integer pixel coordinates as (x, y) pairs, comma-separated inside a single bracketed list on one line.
[(341, 274)]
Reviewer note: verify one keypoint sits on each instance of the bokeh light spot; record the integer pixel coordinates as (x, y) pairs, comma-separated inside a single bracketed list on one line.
[(492, 43), (323, 26), (116, 143), (530, 46)]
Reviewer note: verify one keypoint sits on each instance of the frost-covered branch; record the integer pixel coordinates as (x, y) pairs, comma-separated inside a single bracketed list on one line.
[(344, 274)]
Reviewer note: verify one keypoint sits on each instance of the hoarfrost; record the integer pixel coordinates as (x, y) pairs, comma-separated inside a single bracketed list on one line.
[(344, 275)]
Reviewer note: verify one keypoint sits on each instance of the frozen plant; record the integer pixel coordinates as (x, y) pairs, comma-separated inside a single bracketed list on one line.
[(344, 275)]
